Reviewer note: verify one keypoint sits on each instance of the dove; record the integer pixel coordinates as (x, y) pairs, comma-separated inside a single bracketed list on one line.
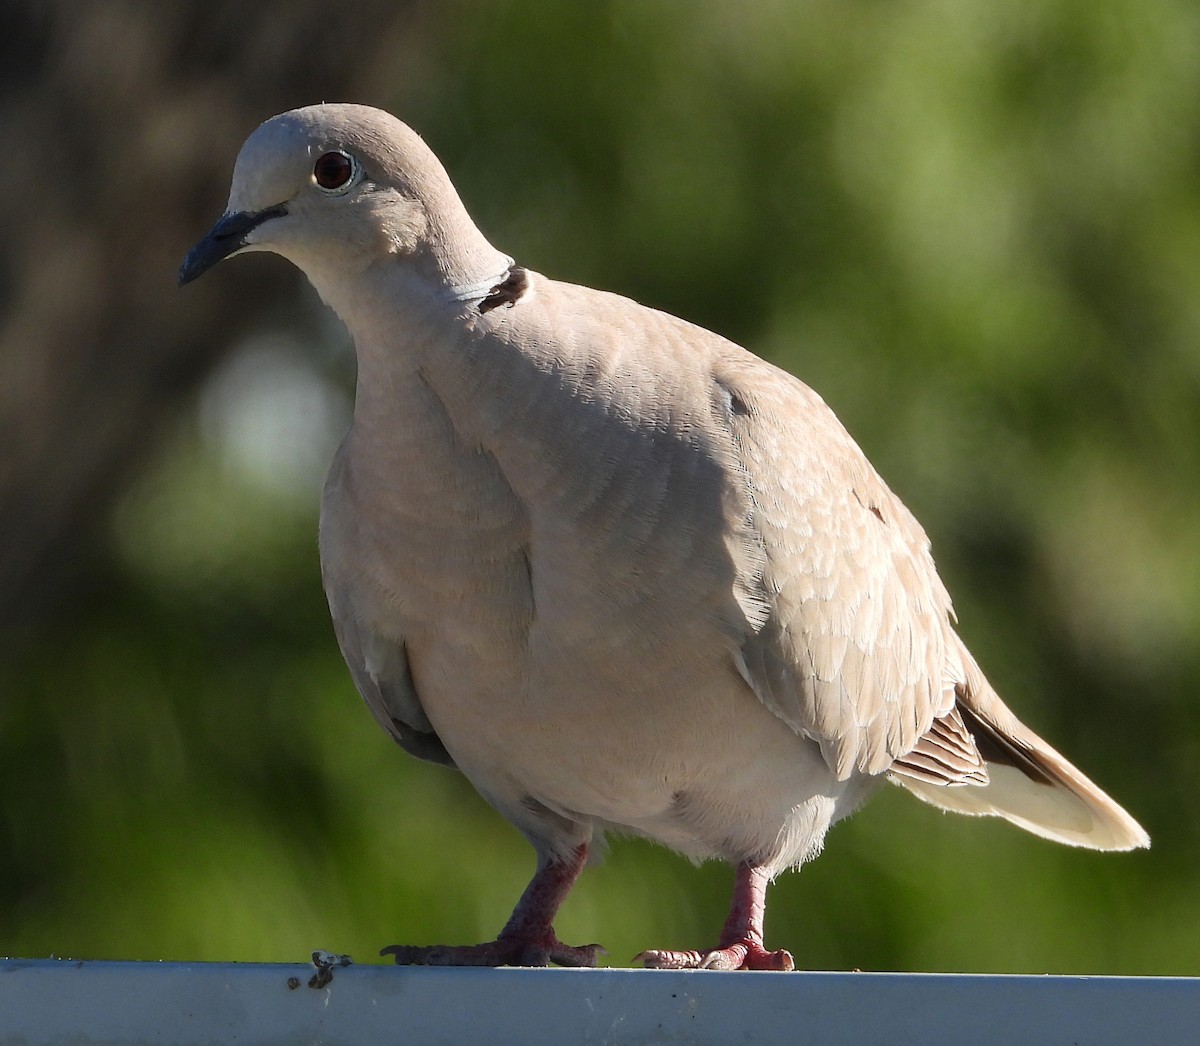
[(621, 573)]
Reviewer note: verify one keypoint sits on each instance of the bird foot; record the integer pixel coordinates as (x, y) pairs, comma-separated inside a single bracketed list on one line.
[(741, 955), (504, 951)]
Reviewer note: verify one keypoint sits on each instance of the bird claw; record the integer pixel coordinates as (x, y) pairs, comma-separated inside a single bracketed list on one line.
[(741, 955)]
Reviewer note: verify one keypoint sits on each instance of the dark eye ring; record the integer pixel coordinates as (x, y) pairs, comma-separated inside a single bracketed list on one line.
[(334, 172)]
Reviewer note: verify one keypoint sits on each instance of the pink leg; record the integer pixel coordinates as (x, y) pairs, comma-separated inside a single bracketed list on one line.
[(528, 937), (741, 945)]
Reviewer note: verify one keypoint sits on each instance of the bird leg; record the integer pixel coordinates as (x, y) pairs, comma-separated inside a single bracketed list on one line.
[(741, 944), (528, 938)]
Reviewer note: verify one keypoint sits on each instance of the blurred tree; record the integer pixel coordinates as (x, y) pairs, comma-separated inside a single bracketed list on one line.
[(125, 118)]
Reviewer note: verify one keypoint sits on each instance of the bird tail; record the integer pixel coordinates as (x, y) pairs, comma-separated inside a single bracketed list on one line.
[(1026, 782)]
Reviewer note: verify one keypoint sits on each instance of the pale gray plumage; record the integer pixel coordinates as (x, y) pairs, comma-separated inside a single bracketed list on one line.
[(617, 570)]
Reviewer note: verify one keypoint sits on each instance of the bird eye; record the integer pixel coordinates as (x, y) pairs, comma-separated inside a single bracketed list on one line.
[(334, 172)]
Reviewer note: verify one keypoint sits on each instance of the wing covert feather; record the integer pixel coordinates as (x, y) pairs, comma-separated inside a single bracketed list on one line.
[(854, 651)]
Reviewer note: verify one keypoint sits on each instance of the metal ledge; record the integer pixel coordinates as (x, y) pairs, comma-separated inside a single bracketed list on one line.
[(61, 1001)]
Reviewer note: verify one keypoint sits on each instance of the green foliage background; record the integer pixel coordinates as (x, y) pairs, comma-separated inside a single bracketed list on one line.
[(974, 228)]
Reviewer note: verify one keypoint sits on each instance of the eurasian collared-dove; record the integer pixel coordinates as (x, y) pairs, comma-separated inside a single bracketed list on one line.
[(615, 569)]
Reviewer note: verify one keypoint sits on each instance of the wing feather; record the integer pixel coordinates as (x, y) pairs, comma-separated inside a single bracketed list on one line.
[(853, 650)]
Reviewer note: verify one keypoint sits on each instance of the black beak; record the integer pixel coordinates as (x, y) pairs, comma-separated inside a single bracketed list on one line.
[(223, 239)]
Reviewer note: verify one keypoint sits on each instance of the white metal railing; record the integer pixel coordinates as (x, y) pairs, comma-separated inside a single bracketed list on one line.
[(62, 1001)]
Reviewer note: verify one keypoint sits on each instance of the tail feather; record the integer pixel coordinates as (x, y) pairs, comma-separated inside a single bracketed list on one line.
[(1028, 782)]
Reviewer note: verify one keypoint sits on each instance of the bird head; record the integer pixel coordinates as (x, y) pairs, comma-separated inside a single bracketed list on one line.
[(337, 189)]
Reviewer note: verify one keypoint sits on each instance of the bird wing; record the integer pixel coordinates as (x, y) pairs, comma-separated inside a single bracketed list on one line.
[(383, 676), (745, 484), (378, 663), (855, 650)]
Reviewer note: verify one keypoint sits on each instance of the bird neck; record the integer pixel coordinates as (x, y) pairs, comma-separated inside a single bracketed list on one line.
[(401, 301), (467, 266)]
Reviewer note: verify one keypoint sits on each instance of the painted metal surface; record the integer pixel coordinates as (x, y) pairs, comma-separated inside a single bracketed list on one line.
[(62, 1001)]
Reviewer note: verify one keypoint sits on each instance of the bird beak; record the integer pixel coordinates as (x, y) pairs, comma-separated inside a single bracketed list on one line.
[(223, 239)]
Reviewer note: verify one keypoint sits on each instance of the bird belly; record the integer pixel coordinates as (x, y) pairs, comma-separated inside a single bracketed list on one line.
[(690, 758)]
